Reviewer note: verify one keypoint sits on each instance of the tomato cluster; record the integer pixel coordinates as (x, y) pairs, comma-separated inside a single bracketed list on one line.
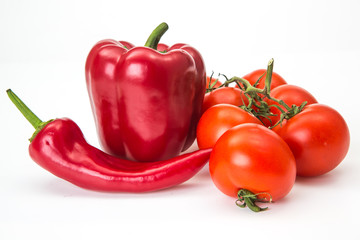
[(262, 141)]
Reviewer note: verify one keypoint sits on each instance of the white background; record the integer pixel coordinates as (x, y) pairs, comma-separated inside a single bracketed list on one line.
[(43, 47)]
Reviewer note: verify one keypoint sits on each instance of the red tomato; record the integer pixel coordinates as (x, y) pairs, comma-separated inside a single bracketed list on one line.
[(276, 79), (250, 156), (217, 120), (290, 94), (319, 138), (229, 95), (217, 84)]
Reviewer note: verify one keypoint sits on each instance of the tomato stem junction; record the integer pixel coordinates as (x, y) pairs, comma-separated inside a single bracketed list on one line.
[(249, 199), (256, 97)]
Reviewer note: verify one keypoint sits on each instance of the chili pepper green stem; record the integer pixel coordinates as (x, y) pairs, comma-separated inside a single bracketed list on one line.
[(154, 38), (26, 112), (34, 120)]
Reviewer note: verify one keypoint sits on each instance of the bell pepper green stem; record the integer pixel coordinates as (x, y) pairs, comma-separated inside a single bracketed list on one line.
[(27, 113), (154, 38)]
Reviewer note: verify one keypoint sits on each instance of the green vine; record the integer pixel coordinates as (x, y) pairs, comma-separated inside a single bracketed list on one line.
[(248, 199), (256, 97)]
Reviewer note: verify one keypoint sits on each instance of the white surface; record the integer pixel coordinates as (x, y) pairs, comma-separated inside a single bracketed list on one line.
[(43, 47)]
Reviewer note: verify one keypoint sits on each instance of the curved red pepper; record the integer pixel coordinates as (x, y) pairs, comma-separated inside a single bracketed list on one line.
[(60, 147), (146, 103)]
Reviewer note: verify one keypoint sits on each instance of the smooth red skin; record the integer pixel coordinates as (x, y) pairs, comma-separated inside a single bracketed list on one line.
[(217, 120), (276, 79), (290, 94), (319, 138), (61, 149), (161, 47), (127, 44), (200, 88), (138, 100), (217, 84), (229, 95), (250, 156)]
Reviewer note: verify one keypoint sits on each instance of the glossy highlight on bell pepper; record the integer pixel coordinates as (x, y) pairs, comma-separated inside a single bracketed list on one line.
[(146, 103), (60, 147)]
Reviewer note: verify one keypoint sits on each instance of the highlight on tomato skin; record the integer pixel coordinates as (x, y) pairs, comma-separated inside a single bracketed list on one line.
[(253, 157), (217, 120), (318, 137)]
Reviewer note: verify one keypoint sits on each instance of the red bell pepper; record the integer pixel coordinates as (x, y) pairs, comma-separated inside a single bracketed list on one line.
[(146, 103), (59, 147)]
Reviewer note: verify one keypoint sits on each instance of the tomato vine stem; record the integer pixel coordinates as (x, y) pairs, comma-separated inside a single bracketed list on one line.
[(256, 97), (248, 199)]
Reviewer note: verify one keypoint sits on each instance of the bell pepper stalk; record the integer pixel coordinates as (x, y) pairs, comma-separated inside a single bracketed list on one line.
[(59, 146), (146, 103)]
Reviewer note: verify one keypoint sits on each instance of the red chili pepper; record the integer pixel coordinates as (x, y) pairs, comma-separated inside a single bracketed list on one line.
[(60, 147), (145, 99)]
